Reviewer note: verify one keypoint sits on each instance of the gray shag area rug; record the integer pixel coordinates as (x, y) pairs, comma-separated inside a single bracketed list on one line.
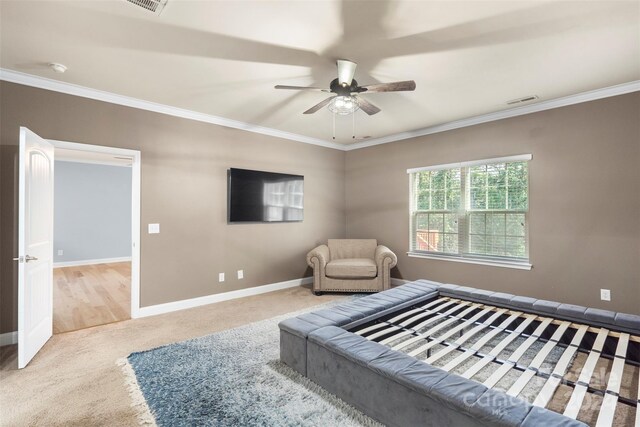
[(230, 378)]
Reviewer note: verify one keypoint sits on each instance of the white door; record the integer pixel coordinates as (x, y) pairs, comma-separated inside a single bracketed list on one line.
[(35, 245)]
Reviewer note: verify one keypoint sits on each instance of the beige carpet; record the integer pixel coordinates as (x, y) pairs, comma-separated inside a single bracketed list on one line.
[(74, 380)]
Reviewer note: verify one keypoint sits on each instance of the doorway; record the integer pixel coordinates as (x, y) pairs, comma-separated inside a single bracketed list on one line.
[(36, 166), (95, 239), (91, 239)]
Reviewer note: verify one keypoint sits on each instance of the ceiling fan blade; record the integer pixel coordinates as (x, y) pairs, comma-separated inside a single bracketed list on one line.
[(301, 88), (346, 71), (391, 87), (367, 107), (319, 105)]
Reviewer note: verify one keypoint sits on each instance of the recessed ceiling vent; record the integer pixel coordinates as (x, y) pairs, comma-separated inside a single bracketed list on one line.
[(522, 100), (154, 6)]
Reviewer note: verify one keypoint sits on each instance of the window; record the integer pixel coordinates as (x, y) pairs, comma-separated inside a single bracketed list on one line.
[(474, 211)]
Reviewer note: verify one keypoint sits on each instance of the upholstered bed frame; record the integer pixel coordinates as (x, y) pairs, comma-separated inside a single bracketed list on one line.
[(411, 356)]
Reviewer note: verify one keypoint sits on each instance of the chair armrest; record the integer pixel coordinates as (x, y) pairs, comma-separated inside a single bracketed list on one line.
[(385, 261), (385, 256), (319, 257)]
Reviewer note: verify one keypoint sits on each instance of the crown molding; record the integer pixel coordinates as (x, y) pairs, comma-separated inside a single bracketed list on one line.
[(99, 95), (113, 98), (578, 98)]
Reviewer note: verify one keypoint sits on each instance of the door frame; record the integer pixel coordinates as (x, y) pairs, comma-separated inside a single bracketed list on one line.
[(135, 208)]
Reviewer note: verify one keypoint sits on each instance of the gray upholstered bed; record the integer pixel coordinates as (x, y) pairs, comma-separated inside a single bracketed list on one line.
[(431, 354)]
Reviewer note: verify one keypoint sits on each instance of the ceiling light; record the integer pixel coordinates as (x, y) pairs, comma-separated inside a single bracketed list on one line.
[(58, 68), (343, 105)]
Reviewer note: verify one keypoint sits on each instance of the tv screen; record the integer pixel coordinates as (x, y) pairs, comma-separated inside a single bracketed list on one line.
[(256, 196)]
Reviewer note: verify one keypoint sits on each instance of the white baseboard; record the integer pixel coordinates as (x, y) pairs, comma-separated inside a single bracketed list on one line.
[(9, 338), (90, 262), (153, 310), (398, 282)]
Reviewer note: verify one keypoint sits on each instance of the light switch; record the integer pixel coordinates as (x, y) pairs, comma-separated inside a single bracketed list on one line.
[(154, 228)]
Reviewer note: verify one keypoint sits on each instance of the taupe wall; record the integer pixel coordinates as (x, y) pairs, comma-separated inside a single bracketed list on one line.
[(184, 166), (584, 201), (585, 233)]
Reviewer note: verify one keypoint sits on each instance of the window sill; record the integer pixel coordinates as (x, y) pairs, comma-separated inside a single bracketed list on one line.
[(518, 265)]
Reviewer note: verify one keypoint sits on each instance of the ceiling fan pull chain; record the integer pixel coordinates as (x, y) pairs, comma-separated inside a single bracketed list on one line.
[(334, 125), (353, 127)]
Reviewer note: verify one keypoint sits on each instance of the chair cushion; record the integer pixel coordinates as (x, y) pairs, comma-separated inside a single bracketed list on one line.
[(352, 248), (351, 268)]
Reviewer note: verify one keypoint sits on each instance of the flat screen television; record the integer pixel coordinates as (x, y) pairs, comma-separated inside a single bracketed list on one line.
[(256, 196)]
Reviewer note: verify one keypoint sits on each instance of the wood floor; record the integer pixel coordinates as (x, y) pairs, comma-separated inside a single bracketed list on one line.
[(91, 295)]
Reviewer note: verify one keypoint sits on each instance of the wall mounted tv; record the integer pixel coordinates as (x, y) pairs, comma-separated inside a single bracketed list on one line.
[(256, 196)]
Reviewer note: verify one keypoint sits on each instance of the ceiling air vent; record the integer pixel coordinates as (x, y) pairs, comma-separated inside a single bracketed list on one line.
[(154, 6), (522, 100)]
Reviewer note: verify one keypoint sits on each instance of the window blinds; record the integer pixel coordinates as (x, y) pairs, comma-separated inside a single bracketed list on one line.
[(474, 209)]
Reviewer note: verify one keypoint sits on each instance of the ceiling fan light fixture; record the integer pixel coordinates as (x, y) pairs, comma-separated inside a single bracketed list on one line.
[(343, 105), (345, 88)]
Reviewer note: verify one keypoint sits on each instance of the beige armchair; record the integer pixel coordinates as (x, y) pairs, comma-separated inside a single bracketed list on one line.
[(351, 265)]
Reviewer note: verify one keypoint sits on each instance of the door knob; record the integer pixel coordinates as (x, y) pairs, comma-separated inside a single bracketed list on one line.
[(30, 258)]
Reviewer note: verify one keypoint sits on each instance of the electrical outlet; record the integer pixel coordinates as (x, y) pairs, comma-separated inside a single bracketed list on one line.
[(240, 274), (605, 294), (220, 277), (60, 252), (154, 228)]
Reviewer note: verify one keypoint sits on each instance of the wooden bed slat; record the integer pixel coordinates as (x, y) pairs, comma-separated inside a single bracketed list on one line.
[(396, 337), (615, 376), (385, 331), (439, 303), (549, 388), (371, 328), (537, 361), (608, 407), (481, 342), (422, 310), (575, 403), (417, 317), (480, 327), (607, 411), (517, 354), (449, 333), (498, 348), (594, 355), (447, 322), (422, 336), (464, 338), (579, 391)]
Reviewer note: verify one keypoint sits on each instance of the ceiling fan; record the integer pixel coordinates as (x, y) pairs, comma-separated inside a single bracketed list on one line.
[(345, 89)]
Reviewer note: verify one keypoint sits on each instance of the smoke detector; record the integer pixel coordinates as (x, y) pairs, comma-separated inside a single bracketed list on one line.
[(58, 68), (154, 6), (523, 100)]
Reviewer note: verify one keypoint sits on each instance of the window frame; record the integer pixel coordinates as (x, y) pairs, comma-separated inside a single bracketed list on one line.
[(463, 216)]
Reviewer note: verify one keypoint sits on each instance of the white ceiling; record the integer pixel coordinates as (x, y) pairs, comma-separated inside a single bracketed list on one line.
[(224, 57)]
